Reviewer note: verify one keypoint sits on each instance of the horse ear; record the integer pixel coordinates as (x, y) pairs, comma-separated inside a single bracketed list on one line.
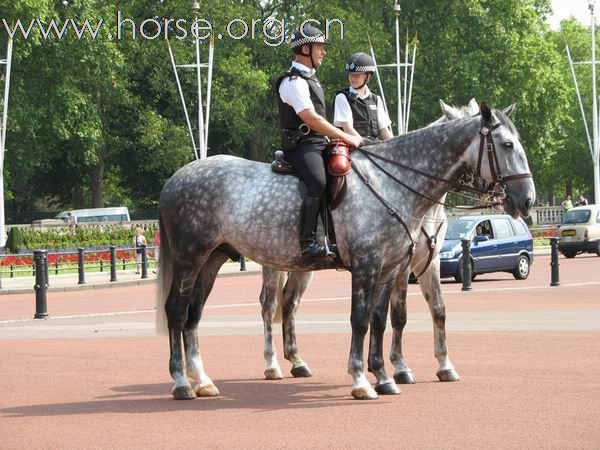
[(450, 112), (473, 107), (509, 110), (486, 112)]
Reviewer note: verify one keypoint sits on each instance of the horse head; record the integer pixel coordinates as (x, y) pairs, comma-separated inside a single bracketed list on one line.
[(498, 157)]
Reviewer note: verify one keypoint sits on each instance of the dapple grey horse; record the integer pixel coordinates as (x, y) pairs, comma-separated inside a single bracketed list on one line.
[(281, 295), (218, 207)]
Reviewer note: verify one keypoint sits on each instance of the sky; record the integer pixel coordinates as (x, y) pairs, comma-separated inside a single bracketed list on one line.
[(563, 9)]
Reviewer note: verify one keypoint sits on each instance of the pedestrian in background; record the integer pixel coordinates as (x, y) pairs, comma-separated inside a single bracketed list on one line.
[(582, 201), (71, 220), (139, 240), (156, 243)]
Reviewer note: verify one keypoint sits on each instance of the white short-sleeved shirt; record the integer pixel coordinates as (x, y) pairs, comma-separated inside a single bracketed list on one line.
[(343, 113), (295, 92)]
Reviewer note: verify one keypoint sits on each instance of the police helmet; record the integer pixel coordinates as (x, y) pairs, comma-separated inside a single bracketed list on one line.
[(360, 63), (306, 35)]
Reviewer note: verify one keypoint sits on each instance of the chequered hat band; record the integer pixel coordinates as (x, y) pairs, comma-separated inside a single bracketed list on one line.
[(308, 40), (354, 68)]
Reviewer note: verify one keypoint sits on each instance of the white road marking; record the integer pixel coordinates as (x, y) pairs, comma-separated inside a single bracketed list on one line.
[(313, 300)]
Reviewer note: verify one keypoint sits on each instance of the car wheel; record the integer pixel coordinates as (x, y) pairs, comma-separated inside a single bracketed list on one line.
[(521, 271), (598, 247), (569, 253), (459, 272)]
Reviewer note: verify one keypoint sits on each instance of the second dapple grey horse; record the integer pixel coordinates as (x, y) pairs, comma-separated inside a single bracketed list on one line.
[(281, 294)]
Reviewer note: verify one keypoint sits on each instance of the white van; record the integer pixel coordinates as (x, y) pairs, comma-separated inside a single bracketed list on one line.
[(117, 214)]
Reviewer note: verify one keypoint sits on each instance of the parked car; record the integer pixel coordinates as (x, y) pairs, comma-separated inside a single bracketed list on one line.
[(580, 231), (503, 245)]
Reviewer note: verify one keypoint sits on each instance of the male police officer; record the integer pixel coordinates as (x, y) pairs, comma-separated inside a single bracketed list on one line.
[(357, 110), (304, 129)]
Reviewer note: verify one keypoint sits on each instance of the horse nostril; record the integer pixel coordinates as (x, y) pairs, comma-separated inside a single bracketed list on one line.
[(528, 203)]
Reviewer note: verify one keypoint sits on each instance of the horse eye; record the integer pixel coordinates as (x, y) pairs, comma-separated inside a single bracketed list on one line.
[(509, 144)]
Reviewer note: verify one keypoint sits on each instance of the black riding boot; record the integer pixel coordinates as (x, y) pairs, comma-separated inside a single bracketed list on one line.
[(308, 227)]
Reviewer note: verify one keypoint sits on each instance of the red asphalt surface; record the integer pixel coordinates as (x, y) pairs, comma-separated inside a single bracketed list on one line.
[(518, 389)]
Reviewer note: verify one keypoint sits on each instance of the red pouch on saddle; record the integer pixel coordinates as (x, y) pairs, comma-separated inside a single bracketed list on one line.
[(339, 158)]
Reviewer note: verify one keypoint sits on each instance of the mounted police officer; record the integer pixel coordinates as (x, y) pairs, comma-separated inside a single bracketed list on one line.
[(305, 129), (356, 110)]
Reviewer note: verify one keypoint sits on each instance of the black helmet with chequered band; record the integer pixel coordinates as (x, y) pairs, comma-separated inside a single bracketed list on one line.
[(306, 35), (360, 63)]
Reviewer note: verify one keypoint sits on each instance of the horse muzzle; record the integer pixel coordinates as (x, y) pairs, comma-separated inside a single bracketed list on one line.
[(520, 197)]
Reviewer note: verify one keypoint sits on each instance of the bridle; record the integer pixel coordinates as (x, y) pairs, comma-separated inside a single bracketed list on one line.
[(486, 145), (496, 190)]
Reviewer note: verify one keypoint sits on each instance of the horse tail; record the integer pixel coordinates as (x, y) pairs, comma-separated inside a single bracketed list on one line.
[(281, 279), (165, 279)]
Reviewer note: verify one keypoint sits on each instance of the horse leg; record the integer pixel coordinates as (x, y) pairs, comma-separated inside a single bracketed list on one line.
[(385, 385), (176, 307), (364, 280), (295, 286), (431, 289), (204, 284), (402, 373), (268, 302)]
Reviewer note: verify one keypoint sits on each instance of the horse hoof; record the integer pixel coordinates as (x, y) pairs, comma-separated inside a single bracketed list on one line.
[(184, 393), (364, 393), (448, 375), (404, 378), (388, 388), (301, 372), (273, 374), (209, 390)]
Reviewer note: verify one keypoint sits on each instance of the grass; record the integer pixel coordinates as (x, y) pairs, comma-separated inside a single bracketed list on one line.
[(26, 271)]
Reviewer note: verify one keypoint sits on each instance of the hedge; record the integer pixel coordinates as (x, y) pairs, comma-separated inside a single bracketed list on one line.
[(98, 236)]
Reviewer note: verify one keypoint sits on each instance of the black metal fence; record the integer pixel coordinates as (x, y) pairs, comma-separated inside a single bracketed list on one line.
[(76, 262)]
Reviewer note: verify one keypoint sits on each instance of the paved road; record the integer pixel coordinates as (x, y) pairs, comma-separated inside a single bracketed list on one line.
[(94, 376)]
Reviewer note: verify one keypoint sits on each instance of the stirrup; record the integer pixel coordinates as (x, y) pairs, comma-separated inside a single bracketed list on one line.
[(330, 249)]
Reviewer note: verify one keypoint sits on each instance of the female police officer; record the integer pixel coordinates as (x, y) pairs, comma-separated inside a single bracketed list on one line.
[(304, 129), (356, 110)]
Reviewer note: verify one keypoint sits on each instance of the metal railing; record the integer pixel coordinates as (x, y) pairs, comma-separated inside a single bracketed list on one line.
[(64, 262)]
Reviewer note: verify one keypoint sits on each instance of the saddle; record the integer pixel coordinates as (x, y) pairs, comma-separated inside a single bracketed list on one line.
[(338, 158)]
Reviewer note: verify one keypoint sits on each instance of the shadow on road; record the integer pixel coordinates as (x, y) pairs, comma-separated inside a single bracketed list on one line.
[(258, 395)]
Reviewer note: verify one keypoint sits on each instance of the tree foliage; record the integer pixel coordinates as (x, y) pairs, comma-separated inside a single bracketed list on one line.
[(99, 121)]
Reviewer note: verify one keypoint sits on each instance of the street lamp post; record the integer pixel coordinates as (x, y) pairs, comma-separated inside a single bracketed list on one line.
[(201, 149), (593, 141), (595, 147), (3, 125)]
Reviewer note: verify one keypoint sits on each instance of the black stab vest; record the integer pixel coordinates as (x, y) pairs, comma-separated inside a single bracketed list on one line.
[(364, 113), (288, 118)]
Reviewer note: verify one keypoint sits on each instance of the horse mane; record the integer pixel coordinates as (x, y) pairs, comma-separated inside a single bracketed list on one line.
[(425, 132), (405, 143)]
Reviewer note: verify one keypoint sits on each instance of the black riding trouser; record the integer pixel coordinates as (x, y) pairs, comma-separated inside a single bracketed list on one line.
[(307, 159)]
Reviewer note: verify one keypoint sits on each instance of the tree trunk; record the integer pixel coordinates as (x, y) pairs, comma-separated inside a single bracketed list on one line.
[(98, 185), (77, 199)]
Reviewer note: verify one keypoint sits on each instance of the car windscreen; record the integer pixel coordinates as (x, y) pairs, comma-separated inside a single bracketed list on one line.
[(579, 216), (458, 229)]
